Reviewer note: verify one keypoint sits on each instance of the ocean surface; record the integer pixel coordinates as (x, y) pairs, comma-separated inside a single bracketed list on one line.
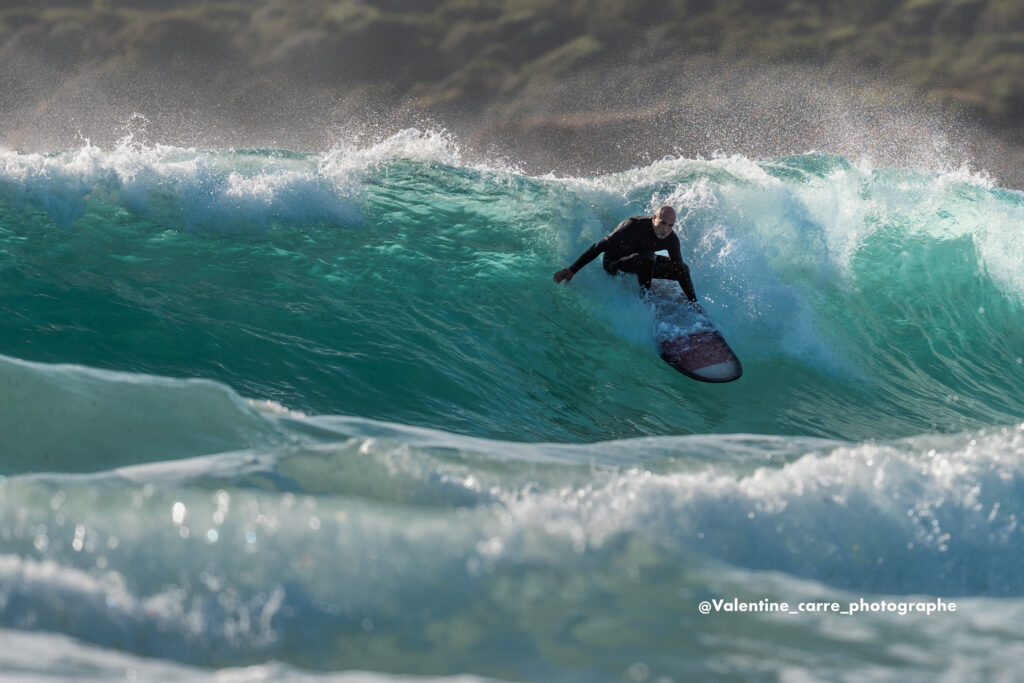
[(268, 415)]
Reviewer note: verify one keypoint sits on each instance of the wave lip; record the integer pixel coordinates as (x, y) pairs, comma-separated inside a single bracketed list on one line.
[(68, 418)]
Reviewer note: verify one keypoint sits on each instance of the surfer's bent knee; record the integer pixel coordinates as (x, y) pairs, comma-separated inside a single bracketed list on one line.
[(678, 271)]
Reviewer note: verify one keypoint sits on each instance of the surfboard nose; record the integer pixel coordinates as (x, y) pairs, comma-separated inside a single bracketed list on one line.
[(720, 372), (702, 355)]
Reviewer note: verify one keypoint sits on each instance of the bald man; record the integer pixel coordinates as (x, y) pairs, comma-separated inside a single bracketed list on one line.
[(630, 249)]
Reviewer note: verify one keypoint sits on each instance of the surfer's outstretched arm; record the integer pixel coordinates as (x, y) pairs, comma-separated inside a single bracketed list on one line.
[(566, 274)]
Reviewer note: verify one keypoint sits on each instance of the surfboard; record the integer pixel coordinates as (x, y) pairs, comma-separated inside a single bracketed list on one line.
[(689, 341)]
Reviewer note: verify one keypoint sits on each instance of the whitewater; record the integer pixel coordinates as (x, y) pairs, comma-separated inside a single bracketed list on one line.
[(275, 415)]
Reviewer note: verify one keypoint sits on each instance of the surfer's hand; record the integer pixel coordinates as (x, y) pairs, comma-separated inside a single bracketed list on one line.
[(564, 275)]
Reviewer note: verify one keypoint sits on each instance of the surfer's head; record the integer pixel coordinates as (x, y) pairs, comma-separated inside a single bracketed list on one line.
[(664, 220)]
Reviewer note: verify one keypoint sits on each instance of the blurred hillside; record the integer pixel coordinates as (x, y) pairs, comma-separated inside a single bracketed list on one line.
[(590, 83)]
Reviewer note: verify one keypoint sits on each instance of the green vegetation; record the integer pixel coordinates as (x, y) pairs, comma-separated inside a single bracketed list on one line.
[(970, 52)]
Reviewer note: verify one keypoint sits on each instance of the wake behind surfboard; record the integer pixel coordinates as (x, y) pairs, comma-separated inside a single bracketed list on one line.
[(688, 340)]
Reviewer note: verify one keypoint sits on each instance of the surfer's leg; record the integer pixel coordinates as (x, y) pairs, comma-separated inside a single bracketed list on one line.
[(646, 261), (664, 269), (642, 265)]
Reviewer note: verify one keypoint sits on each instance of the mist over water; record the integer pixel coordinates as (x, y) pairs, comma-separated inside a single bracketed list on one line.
[(326, 411), (607, 117)]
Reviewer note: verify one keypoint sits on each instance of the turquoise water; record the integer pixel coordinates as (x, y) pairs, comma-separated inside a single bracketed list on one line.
[(327, 413)]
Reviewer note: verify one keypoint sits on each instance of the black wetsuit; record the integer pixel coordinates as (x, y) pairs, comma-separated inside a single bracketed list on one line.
[(630, 248)]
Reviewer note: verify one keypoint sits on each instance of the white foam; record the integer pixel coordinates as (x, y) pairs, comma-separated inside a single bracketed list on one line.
[(411, 144), (39, 657), (931, 514)]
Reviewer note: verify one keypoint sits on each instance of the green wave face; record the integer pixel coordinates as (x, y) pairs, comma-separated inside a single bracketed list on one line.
[(401, 284)]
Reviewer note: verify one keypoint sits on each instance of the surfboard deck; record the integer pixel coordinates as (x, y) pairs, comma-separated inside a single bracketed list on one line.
[(689, 341)]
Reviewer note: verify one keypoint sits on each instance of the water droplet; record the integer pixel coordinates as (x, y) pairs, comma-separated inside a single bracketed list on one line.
[(638, 673), (178, 512)]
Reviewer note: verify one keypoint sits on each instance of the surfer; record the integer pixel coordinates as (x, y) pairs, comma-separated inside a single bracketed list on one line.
[(630, 248)]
